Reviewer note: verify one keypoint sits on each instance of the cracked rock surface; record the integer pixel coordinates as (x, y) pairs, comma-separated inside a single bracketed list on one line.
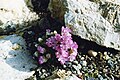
[(94, 20)]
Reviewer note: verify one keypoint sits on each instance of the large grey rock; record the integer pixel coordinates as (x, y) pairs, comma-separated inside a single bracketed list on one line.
[(88, 19), (17, 12), (15, 60)]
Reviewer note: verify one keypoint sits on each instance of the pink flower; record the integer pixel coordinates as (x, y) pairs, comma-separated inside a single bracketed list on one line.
[(64, 53), (65, 31), (40, 49), (50, 42), (62, 59), (71, 58), (66, 49), (58, 37), (41, 60)]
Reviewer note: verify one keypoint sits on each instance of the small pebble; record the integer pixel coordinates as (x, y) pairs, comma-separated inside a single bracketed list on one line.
[(43, 70), (100, 77), (76, 68), (79, 66), (64, 66), (106, 56), (82, 58), (36, 45), (83, 63), (15, 46), (92, 53), (30, 32), (42, 76), (110, 63), (55, 32), (105, 70), (40, 39), (75, 62), (48, 56), (69, 72), (36, 54)]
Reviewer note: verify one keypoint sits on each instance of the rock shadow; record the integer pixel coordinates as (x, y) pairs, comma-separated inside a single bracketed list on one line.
[(19, 59)]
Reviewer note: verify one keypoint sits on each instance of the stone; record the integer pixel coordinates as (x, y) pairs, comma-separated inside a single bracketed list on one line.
[(83, 63), (106, 56), (77, 68), (92, 53), (17, 12), (75, 62), (16, 46), (110, 63), (91, 19), (82, 58), (15, 64), (70, 77)]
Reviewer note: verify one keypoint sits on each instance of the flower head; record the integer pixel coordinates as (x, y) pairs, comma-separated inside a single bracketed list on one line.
[(66, 49), (41, 60), (41, 49)]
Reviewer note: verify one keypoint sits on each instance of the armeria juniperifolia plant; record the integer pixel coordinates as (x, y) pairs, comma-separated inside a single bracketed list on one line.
[(61, 45)]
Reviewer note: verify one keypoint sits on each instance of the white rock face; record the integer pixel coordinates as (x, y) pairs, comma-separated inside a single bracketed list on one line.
[(17, 12), (95, 21), (15, 60)]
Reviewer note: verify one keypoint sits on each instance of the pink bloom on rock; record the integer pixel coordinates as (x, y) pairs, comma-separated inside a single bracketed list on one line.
[(41, 49)]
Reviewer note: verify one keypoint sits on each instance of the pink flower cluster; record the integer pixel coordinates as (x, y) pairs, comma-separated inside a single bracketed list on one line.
[(66, 49), (41, 50)]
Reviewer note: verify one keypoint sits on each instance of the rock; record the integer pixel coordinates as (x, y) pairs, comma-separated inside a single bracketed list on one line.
[(73, 77), (77, 68), (110, 63), (106, 56), (83, 63), (14, 63), (75, 62), (92, 53), (90, 19), (62, 74), (59, 75), (82, 58), (17, 12)]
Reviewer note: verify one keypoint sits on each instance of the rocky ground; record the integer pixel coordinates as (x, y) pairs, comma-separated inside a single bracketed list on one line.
[(93, 62)]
